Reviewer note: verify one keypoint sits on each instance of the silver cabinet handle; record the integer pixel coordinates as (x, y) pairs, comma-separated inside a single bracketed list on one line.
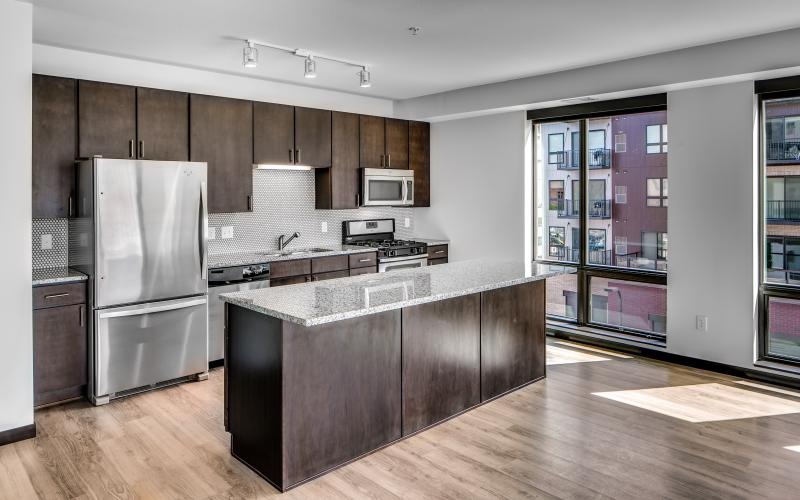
[(389, 160), (298, 154), (152, 309), (291, 156), (81, 315), (130, 148), (364, 260), (439, 251), (56, 295)]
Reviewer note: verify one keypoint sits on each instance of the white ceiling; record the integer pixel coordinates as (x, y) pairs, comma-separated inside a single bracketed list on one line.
[(463, 42)]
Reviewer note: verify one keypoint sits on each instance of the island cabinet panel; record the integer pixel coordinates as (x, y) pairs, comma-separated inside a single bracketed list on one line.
[(162, 125), (273, 133), (55, 130), (512, 337), (441, 360), (342, 382)]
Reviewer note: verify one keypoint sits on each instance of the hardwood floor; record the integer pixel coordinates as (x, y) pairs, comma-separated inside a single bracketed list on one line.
[(553, 439)]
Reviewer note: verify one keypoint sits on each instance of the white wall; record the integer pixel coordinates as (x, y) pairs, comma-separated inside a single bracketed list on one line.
[(16, 353), (712, 231), (70, 63), (477, 187)]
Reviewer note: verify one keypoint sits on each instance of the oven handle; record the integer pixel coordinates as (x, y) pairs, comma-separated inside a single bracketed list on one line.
[(389, 260)]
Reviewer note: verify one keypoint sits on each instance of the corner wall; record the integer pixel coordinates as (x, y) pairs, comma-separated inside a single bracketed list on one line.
[(16, 365)]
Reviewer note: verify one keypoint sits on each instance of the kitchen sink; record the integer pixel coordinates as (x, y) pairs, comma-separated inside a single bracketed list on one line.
[(299, 251)]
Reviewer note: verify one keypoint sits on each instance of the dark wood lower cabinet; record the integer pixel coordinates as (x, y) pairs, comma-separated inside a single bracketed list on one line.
[(512, 337), (59, 353), (441, 360), (289, 280), (434, 262), (363, 270), (301, 401), (330, 275)]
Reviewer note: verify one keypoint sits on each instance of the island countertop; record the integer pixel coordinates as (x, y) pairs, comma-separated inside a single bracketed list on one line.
[(320, 302)]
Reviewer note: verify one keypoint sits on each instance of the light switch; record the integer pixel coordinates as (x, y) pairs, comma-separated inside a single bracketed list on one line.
[(47, 242), (227, 232), (408, 222), (324, 227), (212, 233)]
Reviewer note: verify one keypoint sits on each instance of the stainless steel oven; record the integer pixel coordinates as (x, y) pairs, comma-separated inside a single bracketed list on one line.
[(407, 262), (387, 187)]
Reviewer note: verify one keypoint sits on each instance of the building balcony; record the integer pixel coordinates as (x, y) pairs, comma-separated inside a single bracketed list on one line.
[(571, 160), (783, 152), (571, 209), (783, 211), (599, 158), (564, 254)]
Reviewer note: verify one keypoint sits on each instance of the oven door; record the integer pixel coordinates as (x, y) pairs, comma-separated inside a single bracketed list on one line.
[(394, 263)]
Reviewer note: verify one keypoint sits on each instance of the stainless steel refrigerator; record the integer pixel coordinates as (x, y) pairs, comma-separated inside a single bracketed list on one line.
[(140, 234)]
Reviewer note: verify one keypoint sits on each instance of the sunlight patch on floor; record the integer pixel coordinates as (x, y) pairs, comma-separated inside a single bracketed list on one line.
[(594, 349), (768, 388), (704, 402), (561, 356)]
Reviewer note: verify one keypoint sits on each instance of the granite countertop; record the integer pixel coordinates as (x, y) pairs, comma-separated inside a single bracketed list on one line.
[(218, 260), (320, 302), (53, 275)]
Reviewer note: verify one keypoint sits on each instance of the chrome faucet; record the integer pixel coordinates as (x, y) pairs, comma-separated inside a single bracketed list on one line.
[(282, 242)]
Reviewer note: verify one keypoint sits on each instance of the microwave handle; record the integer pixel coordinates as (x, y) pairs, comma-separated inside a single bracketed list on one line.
[(409, 182), (405, 191)]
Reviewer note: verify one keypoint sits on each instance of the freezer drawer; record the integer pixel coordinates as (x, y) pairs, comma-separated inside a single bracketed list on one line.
[(216, 315), (144, 344)]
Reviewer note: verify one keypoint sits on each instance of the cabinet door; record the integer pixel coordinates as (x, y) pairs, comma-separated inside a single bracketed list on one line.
[(162, 125), (291, 280), (396, 144), (54, 134), (337, 187), (106, 120), (221, 134), (273, 133), (419, 160), (59, 353), (312, 141), (372, 141)]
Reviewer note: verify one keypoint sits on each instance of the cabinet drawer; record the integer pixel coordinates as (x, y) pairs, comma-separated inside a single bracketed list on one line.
[(331, 275), (289, 280), (282, 269), (437, 252), (363, 270), (363, 260), (59, 295), (433, 262), (329, 264)]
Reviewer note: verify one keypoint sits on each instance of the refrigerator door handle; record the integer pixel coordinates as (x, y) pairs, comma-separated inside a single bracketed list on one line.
[(152, 309), (203, 232)]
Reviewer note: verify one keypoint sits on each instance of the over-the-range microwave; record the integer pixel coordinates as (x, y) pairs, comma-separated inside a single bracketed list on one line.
[(387, 187)]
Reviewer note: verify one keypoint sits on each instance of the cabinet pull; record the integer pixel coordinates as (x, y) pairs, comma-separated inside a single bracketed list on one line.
[(130, 148), (249, 202), (364, 260), (291, 156), (81, 316), (298, 154), (141, 149), (70, 211), (389, 161), (56, 295), (358, 200)]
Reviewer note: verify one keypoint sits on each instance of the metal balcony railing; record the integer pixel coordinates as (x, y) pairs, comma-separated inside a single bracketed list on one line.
[(571, 209), (599, 158), (783, 210), (564, 254), (568, 160), (783, 151)]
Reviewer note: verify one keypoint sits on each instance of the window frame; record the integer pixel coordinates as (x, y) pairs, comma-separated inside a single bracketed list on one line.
[(661, 198), (585, 271), (556, 153), (661, 144), (550, 245)]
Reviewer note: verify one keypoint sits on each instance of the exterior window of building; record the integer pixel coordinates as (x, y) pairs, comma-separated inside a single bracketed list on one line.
[(556, 194), (555, 148), (656, 139), (557, 241), (656, 192), (610, 235)]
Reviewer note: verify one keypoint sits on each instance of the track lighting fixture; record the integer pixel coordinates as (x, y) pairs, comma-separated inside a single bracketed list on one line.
[(250, 60), (250, 55), (364, 76), (311, 67)]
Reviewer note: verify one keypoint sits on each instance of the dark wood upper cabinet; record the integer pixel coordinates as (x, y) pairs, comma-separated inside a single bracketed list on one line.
[(162, 125), (372, 141), (312, 137), (419, 160), (396, 144), (273, 133), (337, 187), (221, 134), (54, 145), (106, 120)]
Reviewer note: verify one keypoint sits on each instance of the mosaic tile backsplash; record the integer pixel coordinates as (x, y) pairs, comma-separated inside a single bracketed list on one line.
[(283, 202)]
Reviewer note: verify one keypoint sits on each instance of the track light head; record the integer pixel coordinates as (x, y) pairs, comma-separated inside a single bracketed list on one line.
[(249, 55), (310, 67), (364, 77)]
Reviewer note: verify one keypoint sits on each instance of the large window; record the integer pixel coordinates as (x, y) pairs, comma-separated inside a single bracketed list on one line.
[(601, 205)]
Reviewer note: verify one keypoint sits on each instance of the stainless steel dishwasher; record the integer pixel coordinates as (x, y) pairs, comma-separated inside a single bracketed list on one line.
[(228, 280)]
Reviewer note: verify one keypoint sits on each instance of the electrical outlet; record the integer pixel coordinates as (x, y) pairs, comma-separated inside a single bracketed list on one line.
[(701, 323), (227, 232), (323, 227), (212, 233), (47, 242), (407, 222)]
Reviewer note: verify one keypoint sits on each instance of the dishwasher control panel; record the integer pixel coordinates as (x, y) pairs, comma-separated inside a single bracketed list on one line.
[(237, 274)]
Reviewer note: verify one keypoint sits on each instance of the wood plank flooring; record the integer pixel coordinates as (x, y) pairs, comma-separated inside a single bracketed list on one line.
[(554, 439)]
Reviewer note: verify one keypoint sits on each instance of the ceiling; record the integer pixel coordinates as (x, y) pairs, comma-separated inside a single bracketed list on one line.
[(463, 42)]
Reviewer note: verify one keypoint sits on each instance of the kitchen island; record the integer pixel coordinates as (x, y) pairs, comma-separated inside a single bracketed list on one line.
[(319, 374)]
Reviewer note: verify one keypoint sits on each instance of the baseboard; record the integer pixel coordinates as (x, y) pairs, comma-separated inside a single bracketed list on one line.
[(677, 359), (17, 434)]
